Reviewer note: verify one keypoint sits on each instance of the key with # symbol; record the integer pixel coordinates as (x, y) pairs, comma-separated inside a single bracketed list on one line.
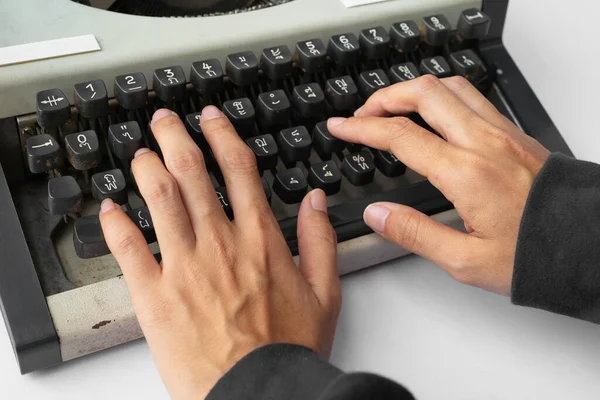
[(53, 108)]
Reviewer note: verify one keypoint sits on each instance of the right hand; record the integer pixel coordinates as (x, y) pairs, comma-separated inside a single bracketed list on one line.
[(485, 167)]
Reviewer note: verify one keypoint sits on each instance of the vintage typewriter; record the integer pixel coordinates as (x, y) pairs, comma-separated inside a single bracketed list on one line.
[(70, 126)]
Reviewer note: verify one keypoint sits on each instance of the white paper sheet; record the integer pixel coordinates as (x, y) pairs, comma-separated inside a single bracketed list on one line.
[(48, 49), (355, 3)]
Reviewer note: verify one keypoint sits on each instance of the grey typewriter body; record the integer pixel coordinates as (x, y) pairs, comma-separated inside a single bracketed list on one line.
[(59, 306)]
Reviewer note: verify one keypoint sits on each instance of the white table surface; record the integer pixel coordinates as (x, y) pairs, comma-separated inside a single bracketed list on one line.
[(408, 320)]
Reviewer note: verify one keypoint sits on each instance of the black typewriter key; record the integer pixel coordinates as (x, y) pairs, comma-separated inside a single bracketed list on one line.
[(437, 66), (192, 125), (242, 68), (403, 72), (326, 176), (88, 238), (83, 150), (207, 76), (473, 24), (341, 93), (294, 144), (371, 81), (466, 63), (290, 185), (436, 30), (91, 99), (267, 189), (388, 164), (359, 168), (276, 62), (311, 55), (131, 90), (374, 43), (43, 153), (274, 108), (265, 149), (241, 114), (64, 195), (344, 49), (324, 142), (405, 36), (309, 100), (142, 219), (109, 184), (53, 108), (125, 139), (224, 200), (169, 83)]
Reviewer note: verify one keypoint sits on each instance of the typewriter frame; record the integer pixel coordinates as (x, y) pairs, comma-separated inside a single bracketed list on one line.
[(24, 306)]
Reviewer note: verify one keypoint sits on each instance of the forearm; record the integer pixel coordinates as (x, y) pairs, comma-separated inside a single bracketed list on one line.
[(557, 263), (290, 372)]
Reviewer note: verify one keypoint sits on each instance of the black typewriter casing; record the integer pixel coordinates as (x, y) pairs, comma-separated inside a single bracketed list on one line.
[(23, 301)]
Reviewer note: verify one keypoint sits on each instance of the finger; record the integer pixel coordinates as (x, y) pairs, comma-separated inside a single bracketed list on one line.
[(417, 148), (238, 164), (126, 242), (438, 106), (185, 163), (476, 101), (317, 245), (161, 193), (420, 234)]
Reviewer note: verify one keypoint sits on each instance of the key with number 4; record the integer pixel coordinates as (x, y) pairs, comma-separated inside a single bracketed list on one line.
[(207, 76)]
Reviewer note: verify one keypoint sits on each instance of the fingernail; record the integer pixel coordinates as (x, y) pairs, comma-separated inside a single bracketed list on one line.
[(318, 200), (211, 112), (162, 113), (357, 112), (141, 151), (375, 216), (107, 205), (333, 122)]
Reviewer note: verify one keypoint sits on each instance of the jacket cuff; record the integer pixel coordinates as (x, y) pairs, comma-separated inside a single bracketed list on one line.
[(557, 261), (276, 371)]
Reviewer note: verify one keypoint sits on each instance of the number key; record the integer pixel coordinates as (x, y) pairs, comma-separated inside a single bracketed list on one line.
[(311, 55), (405, 36), (375, 43), (91, 99), (207, 76), (344, 49), (169, 83), (131, 90), (437, 30)]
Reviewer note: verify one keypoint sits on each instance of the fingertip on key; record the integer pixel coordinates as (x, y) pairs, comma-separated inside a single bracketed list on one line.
[(162, 113), (333, 122), (211, 112)]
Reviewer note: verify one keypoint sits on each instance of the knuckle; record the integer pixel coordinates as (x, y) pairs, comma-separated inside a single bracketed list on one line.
[(124, 242), (240, 159), (216, 127), (427, 83), (457, 82), (184, 161), (164, 125), (161, 191), (398, 128), (406, 230)]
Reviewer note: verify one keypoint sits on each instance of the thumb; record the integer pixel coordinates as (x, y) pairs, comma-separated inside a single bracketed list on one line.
[(420, 234), (317, 244)]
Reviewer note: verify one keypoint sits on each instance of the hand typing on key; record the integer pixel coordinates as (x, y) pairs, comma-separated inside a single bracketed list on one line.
[(223, 288), (485, 167)]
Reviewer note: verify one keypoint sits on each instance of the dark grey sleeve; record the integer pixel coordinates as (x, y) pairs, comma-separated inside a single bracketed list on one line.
[(291, 372), (557, 263)]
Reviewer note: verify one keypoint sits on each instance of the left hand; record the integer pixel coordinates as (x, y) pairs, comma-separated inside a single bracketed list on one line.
[(223, 288)]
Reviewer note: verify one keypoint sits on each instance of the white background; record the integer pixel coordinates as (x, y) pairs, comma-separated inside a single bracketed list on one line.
[(407, 319)]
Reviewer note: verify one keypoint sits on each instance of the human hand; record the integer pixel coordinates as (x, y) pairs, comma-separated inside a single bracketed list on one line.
[(223, 288), (485, 167)]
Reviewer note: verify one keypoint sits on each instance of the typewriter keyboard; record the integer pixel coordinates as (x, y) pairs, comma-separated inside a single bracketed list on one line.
[(278, 100)]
